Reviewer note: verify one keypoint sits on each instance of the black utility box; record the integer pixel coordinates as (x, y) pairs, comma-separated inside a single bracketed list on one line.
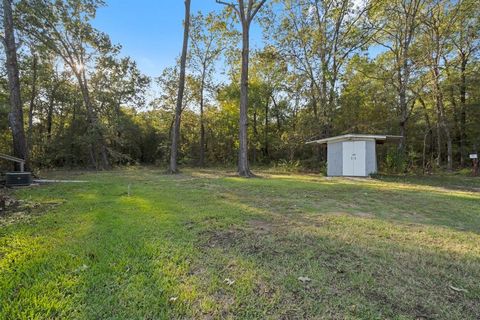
[(15, 179)]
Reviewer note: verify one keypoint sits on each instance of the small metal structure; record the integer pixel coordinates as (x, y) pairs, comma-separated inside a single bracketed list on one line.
[(20, 178), (474, 157), (353, 155)]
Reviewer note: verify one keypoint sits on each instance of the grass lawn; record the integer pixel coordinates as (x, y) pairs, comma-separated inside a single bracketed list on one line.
[(208, 245)]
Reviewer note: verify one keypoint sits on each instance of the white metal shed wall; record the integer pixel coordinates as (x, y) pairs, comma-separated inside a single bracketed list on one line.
[(371, 161), (334, 159)]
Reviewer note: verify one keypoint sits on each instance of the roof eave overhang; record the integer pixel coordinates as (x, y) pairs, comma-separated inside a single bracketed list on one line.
[(354, 137)]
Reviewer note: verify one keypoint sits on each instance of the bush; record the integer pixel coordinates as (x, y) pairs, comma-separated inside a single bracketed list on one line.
[(287, 166), (395, 161)]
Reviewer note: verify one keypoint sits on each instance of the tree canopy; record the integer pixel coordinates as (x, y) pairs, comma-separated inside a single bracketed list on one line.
[(405, 67)]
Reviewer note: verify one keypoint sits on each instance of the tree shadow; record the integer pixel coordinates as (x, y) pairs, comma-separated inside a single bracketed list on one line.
[(360, 268), (452, 182), (407, 203), (103, 254)]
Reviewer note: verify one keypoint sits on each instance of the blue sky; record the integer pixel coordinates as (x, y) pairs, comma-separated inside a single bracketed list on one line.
[(150, 31)]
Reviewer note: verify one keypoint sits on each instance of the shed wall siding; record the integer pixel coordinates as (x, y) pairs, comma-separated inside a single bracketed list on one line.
[(371, 160), (335, 159)]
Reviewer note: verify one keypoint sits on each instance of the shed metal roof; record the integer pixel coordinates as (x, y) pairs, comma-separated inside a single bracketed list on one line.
[(347, 137)]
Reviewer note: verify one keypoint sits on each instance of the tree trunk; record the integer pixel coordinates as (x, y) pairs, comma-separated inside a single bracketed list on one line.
[(442, 117), (202, 121), (439, 141), (181, 87), (456, 120), (448, 136), (428, 133), (424, 152), (15, 116), (243, 166), (463, 110), (442, 125), (32, 102), (100, 139), (277, 115), (266, 152), (118, 109), (51, 103), (96, 137), (71, 133), (255, 135), (402, 94)]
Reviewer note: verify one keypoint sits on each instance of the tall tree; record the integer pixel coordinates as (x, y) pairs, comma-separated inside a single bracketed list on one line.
[(318, 37), (268, 70), (16, 113), (117, 82), (400, 20), (466, 41), (438, 21), (33, 95), (64, 28), (246, 11), (207, 45), (181, 88)]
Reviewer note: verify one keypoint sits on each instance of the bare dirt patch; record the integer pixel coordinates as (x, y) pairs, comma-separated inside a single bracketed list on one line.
[(222, 238), (262, 226), (13, 210), (363, 214)]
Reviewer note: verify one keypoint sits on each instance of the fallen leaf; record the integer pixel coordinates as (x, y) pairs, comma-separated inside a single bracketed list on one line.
[(457, 289), (229, 281), (304, 279)]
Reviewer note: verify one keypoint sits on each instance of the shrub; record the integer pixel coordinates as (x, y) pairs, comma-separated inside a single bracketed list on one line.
[(287, 165), (395, 161)]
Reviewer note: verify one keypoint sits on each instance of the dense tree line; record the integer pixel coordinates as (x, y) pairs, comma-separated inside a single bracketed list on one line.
[(327, 67)]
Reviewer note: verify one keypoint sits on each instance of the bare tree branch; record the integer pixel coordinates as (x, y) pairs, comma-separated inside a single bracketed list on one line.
[(229, 4), (257, 8)]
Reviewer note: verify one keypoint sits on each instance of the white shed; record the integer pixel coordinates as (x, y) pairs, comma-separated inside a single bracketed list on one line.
[(353, 155)]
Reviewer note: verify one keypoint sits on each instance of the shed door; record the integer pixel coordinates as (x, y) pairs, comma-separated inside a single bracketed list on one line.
[(348, 158), (359, 164), (354, 158)]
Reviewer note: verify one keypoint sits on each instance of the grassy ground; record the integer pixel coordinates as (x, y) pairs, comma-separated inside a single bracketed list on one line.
[(208, 245)]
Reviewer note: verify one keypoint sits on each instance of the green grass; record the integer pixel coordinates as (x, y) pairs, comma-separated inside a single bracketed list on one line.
[(373, 249)]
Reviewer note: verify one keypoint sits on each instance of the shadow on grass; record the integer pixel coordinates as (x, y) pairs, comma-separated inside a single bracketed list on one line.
[(405, 203), (355, 271), (446, 181), (113, 256)]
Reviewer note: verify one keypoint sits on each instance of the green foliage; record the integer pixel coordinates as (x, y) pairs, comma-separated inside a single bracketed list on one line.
[(395, 161), (300, 87), (287, 166)]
